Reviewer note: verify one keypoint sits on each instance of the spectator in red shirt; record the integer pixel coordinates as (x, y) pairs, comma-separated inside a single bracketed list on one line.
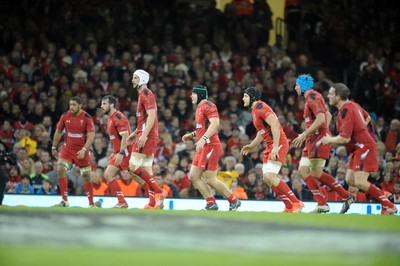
[(389, 179), (7, 134)]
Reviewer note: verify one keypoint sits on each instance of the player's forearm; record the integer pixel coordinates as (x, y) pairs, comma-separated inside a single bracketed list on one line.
[(212, 129), (318, 122), (56, 138), (124, 143), (338, 140), (89, 141), (276, 134), (328, 118), (149, 124), (257, 140)]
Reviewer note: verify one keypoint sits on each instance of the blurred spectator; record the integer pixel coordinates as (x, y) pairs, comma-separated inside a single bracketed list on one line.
[(24, 187), (99, 148), (301, 191), (182, 181), (341, 177), (389, 180), (38, 176), (395, 197), (46, 189), (7, 133), (13, 179), (160, 182), (100, 187), (238, 190), (391, 135), (169, 181), (251, 184)]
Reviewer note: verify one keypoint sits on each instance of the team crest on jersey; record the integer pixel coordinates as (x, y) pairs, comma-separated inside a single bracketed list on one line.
[(199, 125), (307, 119), (68, 121), (81, 122), (137, 114)]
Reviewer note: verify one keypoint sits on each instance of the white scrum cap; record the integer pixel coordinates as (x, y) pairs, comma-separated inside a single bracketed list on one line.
[(143, 76)]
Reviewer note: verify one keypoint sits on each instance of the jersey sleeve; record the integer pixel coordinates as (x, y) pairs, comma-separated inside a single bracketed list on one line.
[(347, 124), (89, 124), (262, 111), (121, 124), (316, 105), (61, 123), (211, 111), (149, 102)]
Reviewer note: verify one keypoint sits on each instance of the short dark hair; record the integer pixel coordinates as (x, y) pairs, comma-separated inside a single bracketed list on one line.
[(342, 91), (25, 176), (76, 99), (111, 99)]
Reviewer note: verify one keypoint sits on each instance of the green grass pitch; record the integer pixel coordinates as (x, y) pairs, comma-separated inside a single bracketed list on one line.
[(42, 251)]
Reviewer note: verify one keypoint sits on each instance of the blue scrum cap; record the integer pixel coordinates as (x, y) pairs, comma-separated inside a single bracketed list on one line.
[(306, 82)]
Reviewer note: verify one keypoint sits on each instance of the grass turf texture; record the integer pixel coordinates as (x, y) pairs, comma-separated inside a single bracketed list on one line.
[(37, 256), (49, 255)]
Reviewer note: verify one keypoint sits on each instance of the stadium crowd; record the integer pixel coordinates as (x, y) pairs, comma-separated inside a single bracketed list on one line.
[(52, 51)]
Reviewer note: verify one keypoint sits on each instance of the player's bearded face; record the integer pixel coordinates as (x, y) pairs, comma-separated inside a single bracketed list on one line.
[(135, 82), (105, 107), (74, 107)]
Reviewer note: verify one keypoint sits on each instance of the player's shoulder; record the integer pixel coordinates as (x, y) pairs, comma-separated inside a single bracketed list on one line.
[(347, 108), (261, 106), (87, 115), (119, 115), (210, 104), (314, 95), (147, 92)]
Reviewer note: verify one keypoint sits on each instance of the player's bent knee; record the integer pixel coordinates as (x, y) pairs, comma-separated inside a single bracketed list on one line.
[(62, 167)]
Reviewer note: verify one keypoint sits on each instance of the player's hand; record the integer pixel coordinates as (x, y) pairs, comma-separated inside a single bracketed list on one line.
[(81, 154), (186, 137), (200, 144), (131, 138), (326, 140), (118, 159), (274, 153), (141, 141), (297, 142), (246, 149), (54, 152)]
